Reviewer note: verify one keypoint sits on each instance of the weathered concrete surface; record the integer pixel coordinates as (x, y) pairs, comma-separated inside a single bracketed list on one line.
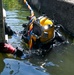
[(62, 11), (2, 35)]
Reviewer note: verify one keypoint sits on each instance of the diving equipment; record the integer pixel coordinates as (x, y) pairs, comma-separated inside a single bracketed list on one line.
[(40, 33)]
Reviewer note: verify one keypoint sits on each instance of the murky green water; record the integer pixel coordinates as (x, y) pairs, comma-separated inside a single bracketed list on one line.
[(60, 61)]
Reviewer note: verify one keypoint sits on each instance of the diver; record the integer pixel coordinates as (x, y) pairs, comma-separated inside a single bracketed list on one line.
[(40, 34)]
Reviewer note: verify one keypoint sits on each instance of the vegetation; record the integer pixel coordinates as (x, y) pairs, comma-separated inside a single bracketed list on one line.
[(11, 4)]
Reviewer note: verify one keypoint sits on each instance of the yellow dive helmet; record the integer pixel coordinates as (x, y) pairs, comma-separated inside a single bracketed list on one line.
[(48, 29), (43, 29)]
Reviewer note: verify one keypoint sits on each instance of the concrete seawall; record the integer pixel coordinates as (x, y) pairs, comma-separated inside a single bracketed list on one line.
[(62, 11)]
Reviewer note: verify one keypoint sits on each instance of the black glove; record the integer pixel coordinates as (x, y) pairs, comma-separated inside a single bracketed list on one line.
[(18, 52)]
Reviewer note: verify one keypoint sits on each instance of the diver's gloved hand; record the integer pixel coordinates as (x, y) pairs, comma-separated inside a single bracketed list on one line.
[(18, 52), (21, 54), (28, 17), (24, 25)]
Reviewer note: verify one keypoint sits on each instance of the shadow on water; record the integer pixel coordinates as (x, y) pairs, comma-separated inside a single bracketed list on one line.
[(59, 61), (21, 68)]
